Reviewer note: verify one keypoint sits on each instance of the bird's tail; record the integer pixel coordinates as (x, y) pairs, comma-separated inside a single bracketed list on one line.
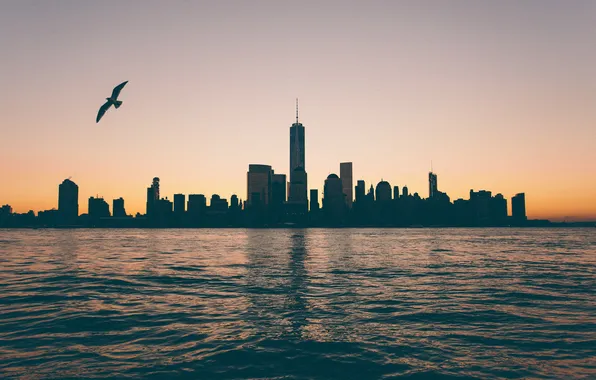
[(118, 103)]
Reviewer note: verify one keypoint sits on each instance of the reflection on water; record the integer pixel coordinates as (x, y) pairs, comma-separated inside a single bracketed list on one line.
[(312, 303)]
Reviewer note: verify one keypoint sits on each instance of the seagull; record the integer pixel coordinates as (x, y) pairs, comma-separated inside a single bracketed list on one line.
[(113, 100)]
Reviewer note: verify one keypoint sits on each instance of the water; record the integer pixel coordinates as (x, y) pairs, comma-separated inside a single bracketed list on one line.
[(298, 304)]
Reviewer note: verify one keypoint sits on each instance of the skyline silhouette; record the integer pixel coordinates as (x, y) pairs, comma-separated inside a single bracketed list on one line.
[(273, 201)]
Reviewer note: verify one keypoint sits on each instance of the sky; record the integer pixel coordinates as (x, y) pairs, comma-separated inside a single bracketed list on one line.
[(498, 95)]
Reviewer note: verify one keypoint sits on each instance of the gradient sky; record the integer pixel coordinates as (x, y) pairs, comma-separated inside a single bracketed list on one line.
[(499, 95)]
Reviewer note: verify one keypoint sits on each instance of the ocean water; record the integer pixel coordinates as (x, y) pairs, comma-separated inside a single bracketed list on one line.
[(298, 304)]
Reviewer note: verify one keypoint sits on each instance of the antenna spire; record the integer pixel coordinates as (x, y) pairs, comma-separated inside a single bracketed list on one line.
[(296, 110)]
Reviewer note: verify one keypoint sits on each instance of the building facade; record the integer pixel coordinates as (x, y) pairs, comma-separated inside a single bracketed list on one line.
[(345, 174), (259, 180), (68, 201), (518, 207), (432, 185), (118, 208)]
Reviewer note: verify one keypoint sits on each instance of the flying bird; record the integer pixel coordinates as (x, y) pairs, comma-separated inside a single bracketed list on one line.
[(113, 100)]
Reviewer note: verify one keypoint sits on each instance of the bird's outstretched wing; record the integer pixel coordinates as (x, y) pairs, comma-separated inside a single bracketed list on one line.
[(102, 110), (117, 90)]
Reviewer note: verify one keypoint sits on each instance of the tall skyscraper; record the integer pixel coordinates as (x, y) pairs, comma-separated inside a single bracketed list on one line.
[(298, 187), (118, 208), (498, 209), (432, 185), (197, 205), (395, 192), (68, 201), (298, 178), (334, 204), (258, 180), (480, 204), (314, 199), (179, 204), (518, 207), (278, 188), (360, 191), (345, 174), (152, 196)]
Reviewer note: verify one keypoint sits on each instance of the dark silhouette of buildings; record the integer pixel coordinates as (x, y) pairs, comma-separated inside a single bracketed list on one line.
[(272, 200), (314, 200), (334, 204), (518, 208), (278, 197), (196, 210), (259, 178), (381, 206), (118, 208), (98, 208), (152, 196), (345, 174), (498, 209), (360, 191), (432, 185), (218, 205), (383, 191), (371, 193), (68, 202), (297, 204), (179, 204), (5, 215)]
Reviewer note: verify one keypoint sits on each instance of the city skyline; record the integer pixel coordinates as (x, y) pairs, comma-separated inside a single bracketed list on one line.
[(273, 201), (499, 96), (297, 153)]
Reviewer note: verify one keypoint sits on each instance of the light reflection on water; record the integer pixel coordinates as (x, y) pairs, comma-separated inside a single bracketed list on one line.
[(314, 303)]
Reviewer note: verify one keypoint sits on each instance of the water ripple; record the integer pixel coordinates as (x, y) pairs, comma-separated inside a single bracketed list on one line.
[(298, 304)]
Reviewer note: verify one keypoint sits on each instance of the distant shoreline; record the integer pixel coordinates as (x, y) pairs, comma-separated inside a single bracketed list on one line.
[(540, 226)]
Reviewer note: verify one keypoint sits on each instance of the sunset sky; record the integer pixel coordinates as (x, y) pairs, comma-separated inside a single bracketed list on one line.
[(499, 95)]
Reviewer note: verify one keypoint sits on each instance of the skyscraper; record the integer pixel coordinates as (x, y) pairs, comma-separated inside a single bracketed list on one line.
[(278, 188), (333, 199), (98, 208), (68, 201), (258, 180), (197, 206), (179, 204), (298, 187), (383, 191), (432, 185), (480, 204), (152, 196), (314, 200), (118, 208), (278, 196), (498, 209), (234, 202), (345, 174), (360, 191), (518, 207), (298, 178), (395, 192)]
